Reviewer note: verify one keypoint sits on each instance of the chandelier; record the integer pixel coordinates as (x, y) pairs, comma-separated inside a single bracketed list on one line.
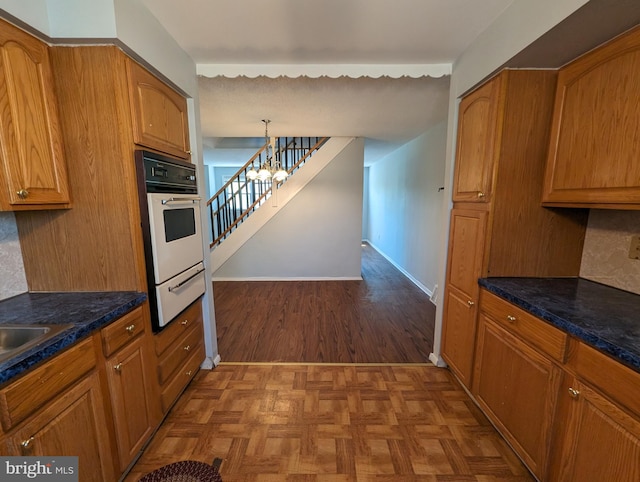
[(271, 168)]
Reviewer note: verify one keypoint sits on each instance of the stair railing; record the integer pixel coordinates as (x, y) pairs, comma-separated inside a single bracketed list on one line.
[(239, 197)]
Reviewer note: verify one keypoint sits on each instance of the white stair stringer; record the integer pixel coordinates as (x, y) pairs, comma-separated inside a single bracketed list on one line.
[(250, 226)]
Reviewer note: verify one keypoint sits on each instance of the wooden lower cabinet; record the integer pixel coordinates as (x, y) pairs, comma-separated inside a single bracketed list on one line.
[(464, 267), (459, 334), (74, 424), (131, 395), (597, 440), (517, 388), (179, 352), (570, 412)]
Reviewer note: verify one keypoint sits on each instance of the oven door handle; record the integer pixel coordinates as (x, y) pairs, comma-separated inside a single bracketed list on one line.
[(183, 282), (191, 200)]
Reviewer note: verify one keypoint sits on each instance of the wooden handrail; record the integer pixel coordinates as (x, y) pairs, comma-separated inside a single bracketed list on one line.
[(226, 205), (228, 183)]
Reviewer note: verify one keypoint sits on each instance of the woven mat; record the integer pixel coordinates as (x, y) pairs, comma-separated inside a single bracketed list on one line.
[(186, 471)]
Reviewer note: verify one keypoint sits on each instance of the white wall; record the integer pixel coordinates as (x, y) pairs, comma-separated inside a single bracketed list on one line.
[(405, 206), (316, 235)]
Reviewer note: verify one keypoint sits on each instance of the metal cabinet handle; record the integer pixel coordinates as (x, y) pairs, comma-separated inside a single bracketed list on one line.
[(27, 443), (23, 194), (130, 329), (189, 373), (184, 322), (511, 318), (573, 393), (118, 367), (480, 194), (187, 348), (470, 303)]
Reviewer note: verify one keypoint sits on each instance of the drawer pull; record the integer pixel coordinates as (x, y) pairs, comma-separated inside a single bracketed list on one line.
[(26, 444), (470, 303), (189, 373), (184, 323), (118, 367), (130, 329), (511, 318), (480, 194), (573, 392), (23, 194), (187, 348)]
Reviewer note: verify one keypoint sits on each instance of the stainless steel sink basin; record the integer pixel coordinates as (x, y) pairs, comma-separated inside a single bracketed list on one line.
[(15, 339)]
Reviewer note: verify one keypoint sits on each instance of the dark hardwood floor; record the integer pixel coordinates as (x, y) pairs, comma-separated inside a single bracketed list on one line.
[(384, 318)]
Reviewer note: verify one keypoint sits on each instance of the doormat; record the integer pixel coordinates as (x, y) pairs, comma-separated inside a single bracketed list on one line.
[(186, 471)]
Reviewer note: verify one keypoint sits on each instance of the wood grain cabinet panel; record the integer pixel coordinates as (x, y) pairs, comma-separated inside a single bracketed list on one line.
[(29, 393), (477, 144), (466, 242), (501, 150), (593, 154), (598, 440), (33, 172), (517, 388), (160, 119), (131, 399), (179, 350), (538, 333), (123, 331), (74, 424)]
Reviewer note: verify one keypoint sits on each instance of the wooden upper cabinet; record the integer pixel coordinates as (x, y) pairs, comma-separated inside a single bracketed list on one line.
[(594, 154), (159, 113), (478, 140), (33, 173)]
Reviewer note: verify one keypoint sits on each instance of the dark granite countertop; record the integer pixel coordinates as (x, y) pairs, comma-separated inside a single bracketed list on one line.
[(603, 317), (82, 313)]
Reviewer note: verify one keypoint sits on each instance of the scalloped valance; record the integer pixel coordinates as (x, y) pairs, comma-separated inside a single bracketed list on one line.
[(324, 70)]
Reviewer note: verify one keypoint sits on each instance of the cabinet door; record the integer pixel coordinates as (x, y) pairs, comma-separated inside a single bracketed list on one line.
[(131, 392), (593, 157), (599, 441), (466, 252), (33, 170), (160, 119), (74, 424), (517, 388), (478, 141)]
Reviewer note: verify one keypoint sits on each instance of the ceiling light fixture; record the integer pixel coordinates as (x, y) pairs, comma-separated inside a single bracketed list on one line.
[(271, 168)]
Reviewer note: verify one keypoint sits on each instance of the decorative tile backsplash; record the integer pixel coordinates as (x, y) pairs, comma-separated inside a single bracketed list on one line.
[(605, 257), (12, 278)]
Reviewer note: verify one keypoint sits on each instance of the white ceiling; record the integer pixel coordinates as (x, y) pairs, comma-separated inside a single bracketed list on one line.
[(387, 111)]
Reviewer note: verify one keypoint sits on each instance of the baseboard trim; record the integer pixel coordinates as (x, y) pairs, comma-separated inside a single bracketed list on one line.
[(210, 363), (402, 270), (437, 360)]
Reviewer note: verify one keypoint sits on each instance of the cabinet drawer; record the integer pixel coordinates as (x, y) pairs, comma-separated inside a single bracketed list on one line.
[(118, 334), (531, 329), (616, 380), (179, 352), (26, 395), (181, 378), (183, 322)]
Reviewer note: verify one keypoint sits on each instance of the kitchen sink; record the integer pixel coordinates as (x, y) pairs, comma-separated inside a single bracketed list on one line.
[(15, 339)]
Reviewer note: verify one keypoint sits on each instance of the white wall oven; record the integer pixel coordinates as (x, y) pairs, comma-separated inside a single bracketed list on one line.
[(170, 211)]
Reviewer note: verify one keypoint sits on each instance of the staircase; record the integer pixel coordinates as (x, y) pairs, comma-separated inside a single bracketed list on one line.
[(240, 197)]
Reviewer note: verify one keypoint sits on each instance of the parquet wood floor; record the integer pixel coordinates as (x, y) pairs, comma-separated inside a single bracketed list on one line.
[(384, 318), (338, 423)]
